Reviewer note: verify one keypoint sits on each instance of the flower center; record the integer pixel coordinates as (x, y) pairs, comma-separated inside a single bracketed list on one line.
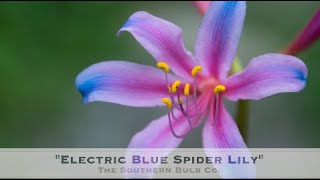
[(191, 112)]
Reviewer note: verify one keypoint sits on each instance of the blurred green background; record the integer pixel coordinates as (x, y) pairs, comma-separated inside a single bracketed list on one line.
[(44, 45)]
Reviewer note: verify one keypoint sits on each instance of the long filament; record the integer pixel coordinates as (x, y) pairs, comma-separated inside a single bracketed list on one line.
[(195, 95), (171, 128), (195, 87), (184, 113), (216, 109)]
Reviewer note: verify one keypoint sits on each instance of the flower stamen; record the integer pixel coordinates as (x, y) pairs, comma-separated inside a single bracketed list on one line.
[(216, 99), (183, 110), (186, 89), (216, 109), (172, 104), (175, 86), (173, 89), (186, 92), (171, 128), (167, 102), (163, 66), (194, 72), (219, 88)]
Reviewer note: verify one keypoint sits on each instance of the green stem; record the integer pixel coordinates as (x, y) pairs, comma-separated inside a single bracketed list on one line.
[(242, 116)]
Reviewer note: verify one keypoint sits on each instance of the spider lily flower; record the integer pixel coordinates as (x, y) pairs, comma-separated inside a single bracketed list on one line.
[(309, 34), (194, 91)]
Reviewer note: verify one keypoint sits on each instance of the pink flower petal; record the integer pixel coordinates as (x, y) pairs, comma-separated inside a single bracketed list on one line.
[(267, 75), (163, 40), (218, 36), (224, 134), (218, 140), (158, 134), (202, 6), (123, 83)]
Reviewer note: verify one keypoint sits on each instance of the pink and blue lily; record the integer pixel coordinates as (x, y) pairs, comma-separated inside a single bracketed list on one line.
[(195, 92)]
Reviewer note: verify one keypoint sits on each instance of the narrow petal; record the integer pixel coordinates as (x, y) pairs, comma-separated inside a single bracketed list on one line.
[(267, 75), (308, 35), (218, 141), (157, 134), (163, 40), (224, 133), (202, 6), (123, 83), (218, 36)]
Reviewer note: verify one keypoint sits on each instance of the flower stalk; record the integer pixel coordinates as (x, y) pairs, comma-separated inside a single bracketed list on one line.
[(307, 36), (242, 118)]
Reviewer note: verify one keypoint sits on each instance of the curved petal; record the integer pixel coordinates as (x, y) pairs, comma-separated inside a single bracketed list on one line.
[(224, 133), (218, 36), (267, 75), (123, 83), (158, 134), (218, 140), (202, 6), (163, 40)]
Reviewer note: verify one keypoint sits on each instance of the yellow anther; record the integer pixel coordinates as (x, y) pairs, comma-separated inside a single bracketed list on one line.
[(163, 66), (186, 89), (180, 101), (195, 70), (167, 102), (169, 89), (219, 88), (175, 85)]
